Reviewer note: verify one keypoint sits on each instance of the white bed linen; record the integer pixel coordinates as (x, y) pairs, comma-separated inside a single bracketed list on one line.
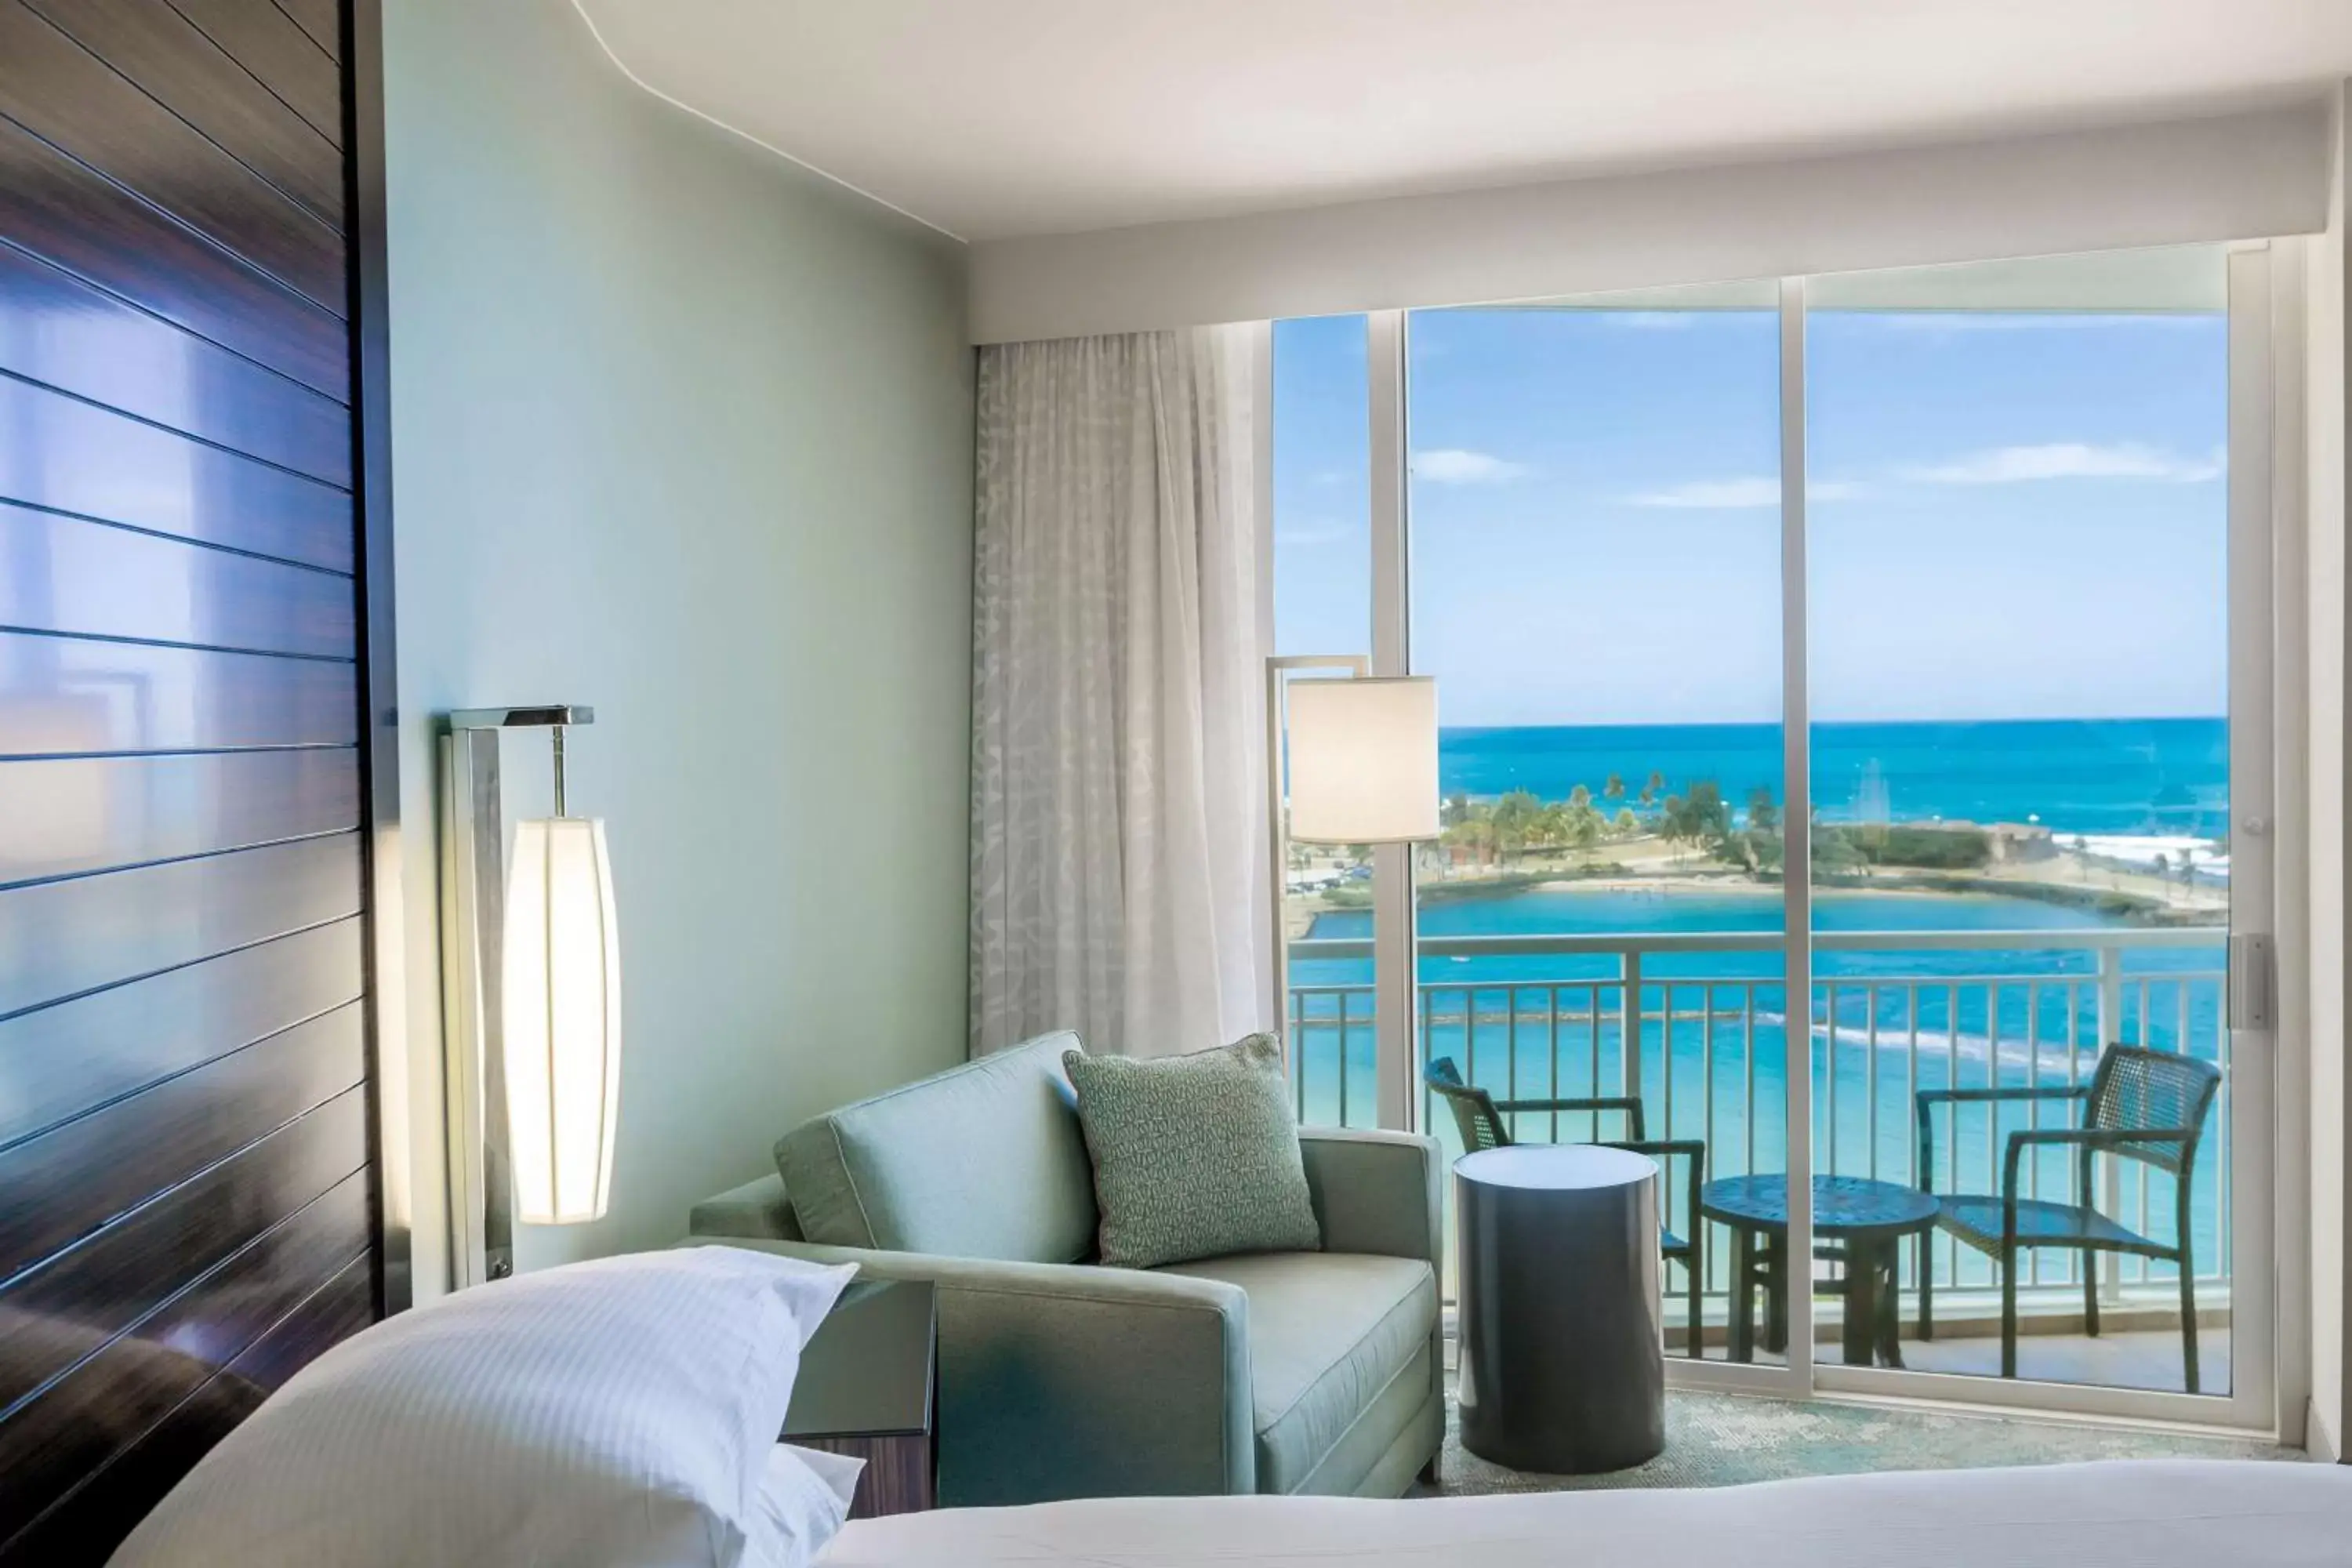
[(2121, 1514)]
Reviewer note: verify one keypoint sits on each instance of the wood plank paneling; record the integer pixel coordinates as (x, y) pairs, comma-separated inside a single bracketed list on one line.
[(99, 1167), (250, 1275), (65, 454), (111, 1281), (280, 55), (163, 54), (68, 98), (58, 330), (92, 1520), (336, 1310), (53, 207), (61, 939), (65, 575), (318, 18), (62, 1061), (69, 697), (185, 1110), (74, 816)]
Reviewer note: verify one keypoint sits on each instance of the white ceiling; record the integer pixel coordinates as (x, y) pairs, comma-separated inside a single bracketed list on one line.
[(990, 118)]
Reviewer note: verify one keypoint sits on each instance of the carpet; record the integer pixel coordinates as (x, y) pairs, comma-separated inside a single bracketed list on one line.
[(1722, 1440)]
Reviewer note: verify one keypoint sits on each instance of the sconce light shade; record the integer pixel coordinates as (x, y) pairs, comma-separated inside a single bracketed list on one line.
[(561, 1003), (1363, 760)]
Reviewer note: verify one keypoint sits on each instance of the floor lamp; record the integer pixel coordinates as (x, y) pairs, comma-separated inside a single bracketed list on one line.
[(1361, 756)]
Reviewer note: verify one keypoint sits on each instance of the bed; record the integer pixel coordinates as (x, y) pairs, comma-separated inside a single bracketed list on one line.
[(2126, 1514), (623, 1413)]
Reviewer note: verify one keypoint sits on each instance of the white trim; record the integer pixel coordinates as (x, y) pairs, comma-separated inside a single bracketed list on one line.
[(2070, 1402), (2256, 1109), (1796, 833), (2291, 839), (2248, 175), (736, 131), (1395, 996)]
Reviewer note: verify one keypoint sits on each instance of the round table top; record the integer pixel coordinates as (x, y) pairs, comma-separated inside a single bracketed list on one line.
[(1842, 1205), (1556, 1167)]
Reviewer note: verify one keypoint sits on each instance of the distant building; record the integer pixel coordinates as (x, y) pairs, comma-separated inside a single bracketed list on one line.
[(2021, 841)]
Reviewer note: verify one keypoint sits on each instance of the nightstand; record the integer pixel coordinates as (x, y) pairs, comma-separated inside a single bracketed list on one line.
[(866, 1389)]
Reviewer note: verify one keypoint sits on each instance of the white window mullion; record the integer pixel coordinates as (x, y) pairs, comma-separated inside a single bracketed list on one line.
[(1395, 1003), (1796, 854)]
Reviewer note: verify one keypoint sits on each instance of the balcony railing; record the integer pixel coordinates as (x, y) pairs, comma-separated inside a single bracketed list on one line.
[(1694, 1025)]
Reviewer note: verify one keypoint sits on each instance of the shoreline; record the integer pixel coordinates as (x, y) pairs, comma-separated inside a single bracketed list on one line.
[(2092, 884)]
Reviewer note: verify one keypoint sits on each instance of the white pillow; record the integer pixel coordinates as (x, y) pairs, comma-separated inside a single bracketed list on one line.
[(622, 1411), (802, 1502)]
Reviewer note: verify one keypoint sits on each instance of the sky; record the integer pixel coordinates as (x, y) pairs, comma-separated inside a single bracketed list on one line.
[(2012, 515)]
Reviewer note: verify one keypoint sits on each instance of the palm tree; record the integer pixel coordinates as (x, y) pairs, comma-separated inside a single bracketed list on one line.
[(1516, 818), (1674, 824), (1653, 789), (1613, 787), (1584, 825)]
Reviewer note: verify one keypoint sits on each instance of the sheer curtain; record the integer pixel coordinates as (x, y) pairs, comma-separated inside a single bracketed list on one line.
[(1118, 880)]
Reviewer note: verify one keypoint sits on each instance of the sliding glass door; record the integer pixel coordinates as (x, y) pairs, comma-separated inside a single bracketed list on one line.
[(2025, 618), (1596, 587), (1854, 699)]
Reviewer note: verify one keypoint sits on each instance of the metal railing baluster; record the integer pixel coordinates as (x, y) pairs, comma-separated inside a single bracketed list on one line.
[(1322, 1019)]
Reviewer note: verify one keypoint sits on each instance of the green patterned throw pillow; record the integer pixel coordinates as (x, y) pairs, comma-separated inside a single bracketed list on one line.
[(1194, 1156)]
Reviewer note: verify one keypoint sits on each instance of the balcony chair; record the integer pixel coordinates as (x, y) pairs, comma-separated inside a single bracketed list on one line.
[(2141, 1105), (1480, 1117)]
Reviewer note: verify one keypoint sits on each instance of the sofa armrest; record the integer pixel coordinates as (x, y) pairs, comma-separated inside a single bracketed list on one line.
[(1066, 1379), (757, 1210), (1376, 1192)]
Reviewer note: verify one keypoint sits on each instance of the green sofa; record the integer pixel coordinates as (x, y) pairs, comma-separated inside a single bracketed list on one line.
[(1291, 1373)]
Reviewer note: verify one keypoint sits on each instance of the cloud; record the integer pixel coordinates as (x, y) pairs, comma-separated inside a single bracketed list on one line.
[(1453, 466), (2071, 460), (1724, 495), (1651, 320)]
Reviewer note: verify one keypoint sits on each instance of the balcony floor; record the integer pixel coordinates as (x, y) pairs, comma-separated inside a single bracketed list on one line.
[(2149, 1359)]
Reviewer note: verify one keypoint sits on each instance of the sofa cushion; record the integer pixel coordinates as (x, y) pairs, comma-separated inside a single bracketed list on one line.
[(1329, 1332), (1194, 1156), (982, 1161)]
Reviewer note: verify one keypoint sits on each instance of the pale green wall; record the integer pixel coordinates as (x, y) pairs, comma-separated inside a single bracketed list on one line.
[(683, 434)]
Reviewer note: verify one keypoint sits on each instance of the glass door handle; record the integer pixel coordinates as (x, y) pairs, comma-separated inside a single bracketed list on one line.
[(2251, 983)]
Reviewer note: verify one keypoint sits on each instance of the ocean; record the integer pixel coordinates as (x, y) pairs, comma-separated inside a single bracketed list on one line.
[(1885, 1023), (2164, 778)]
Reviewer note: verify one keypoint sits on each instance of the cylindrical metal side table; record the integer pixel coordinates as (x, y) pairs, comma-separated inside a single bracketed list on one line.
[(1563, 1336)]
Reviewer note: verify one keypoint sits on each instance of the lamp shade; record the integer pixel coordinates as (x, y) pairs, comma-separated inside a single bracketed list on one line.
[(562, 1011), (1363, 760)]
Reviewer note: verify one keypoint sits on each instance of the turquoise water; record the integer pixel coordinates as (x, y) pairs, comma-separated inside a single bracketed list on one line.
[(1713, 1039)]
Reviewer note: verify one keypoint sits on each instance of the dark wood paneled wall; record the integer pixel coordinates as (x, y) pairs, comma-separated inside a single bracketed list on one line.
[(192, 809)]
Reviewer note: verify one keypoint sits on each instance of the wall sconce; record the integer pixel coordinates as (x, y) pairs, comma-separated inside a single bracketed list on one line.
[(534, 1001)]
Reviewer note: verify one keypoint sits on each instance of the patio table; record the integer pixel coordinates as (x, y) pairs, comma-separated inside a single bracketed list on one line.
[(1863, 1219)]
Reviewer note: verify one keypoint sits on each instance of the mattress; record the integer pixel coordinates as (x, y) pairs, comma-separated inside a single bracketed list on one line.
[(2126, 1514)]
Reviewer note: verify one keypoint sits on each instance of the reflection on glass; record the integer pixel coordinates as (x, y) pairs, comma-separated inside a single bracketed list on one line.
[(1595, 506), (2019, 646), (1322, 605)]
